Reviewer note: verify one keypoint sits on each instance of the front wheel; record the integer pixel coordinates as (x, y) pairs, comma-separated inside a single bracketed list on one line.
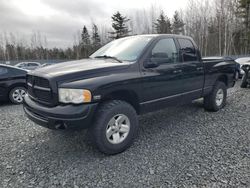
[(17, 94), (115, 128), (217, 98)]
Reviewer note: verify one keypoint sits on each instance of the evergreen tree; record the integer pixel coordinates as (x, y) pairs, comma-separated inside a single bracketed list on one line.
[(163, 25), (96, 41), (119, 26), (85, 36), (178, 24), (85, 43)]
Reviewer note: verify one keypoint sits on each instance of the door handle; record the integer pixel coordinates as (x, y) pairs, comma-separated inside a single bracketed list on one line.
[(177, 71)]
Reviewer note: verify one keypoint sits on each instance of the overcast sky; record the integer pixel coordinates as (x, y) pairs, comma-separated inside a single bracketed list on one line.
[(59, 20)]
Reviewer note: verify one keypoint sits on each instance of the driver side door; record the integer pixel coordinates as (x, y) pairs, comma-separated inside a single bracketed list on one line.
[(162, 82)]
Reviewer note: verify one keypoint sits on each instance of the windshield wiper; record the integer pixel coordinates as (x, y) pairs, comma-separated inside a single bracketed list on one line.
[(108, 57)]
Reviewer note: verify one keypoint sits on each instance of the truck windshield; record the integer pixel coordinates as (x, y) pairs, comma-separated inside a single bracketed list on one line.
[(124, 49)]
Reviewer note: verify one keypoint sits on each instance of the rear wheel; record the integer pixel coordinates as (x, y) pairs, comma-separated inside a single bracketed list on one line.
[(217, 98), (115, 128), (17, 94)]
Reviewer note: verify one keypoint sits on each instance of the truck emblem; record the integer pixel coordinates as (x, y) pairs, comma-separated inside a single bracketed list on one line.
[(97, 97)]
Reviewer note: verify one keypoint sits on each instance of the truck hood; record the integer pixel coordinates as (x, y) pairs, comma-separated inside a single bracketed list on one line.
[(82, 67)]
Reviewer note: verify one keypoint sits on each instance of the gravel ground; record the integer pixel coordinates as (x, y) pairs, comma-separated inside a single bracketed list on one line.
[(177, 147)]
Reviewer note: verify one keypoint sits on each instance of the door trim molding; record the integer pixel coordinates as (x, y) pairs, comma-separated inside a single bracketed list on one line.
[(169, 97)]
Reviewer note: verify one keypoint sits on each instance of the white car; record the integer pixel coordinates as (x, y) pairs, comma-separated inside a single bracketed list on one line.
[(243, 61), (28, 65)]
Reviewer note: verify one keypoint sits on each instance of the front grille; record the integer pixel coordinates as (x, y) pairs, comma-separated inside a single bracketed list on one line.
[(41, 82), (39, 89)]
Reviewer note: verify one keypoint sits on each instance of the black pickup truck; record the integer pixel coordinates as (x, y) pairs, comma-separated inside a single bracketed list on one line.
[(125, 78)]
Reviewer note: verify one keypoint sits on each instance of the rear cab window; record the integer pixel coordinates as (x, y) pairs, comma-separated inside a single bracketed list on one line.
[(188, 50)]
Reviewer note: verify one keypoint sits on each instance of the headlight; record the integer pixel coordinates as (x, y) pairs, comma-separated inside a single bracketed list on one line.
[(75, 96)]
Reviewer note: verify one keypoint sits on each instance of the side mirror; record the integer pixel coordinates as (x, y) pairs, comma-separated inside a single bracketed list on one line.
[(151, 63)]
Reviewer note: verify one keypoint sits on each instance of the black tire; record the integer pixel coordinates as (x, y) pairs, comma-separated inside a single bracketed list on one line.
[(13, 99), (244, 82), (106, 112), (210, 103)]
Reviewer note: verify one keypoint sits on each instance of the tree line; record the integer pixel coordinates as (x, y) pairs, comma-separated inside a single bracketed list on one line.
[(219, 27)]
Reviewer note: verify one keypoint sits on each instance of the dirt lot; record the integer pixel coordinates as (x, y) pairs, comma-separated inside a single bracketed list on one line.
[(177, 147)]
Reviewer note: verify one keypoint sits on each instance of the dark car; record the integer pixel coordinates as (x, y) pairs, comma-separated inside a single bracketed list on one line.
[(242, 61), (246, 77), (126, 78), (12, 84)]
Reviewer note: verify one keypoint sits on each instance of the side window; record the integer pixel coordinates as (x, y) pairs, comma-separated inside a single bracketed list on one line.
[(31, 64), (165, 51), (16, 71), (3, 71), (188, 50), (34, 64)]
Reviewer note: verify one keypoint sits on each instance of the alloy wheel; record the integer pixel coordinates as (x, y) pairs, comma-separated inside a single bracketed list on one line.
[(18, 95), (219, 97), (118, 129)]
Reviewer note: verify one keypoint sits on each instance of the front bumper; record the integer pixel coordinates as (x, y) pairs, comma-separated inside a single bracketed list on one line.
[(61, 116)]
